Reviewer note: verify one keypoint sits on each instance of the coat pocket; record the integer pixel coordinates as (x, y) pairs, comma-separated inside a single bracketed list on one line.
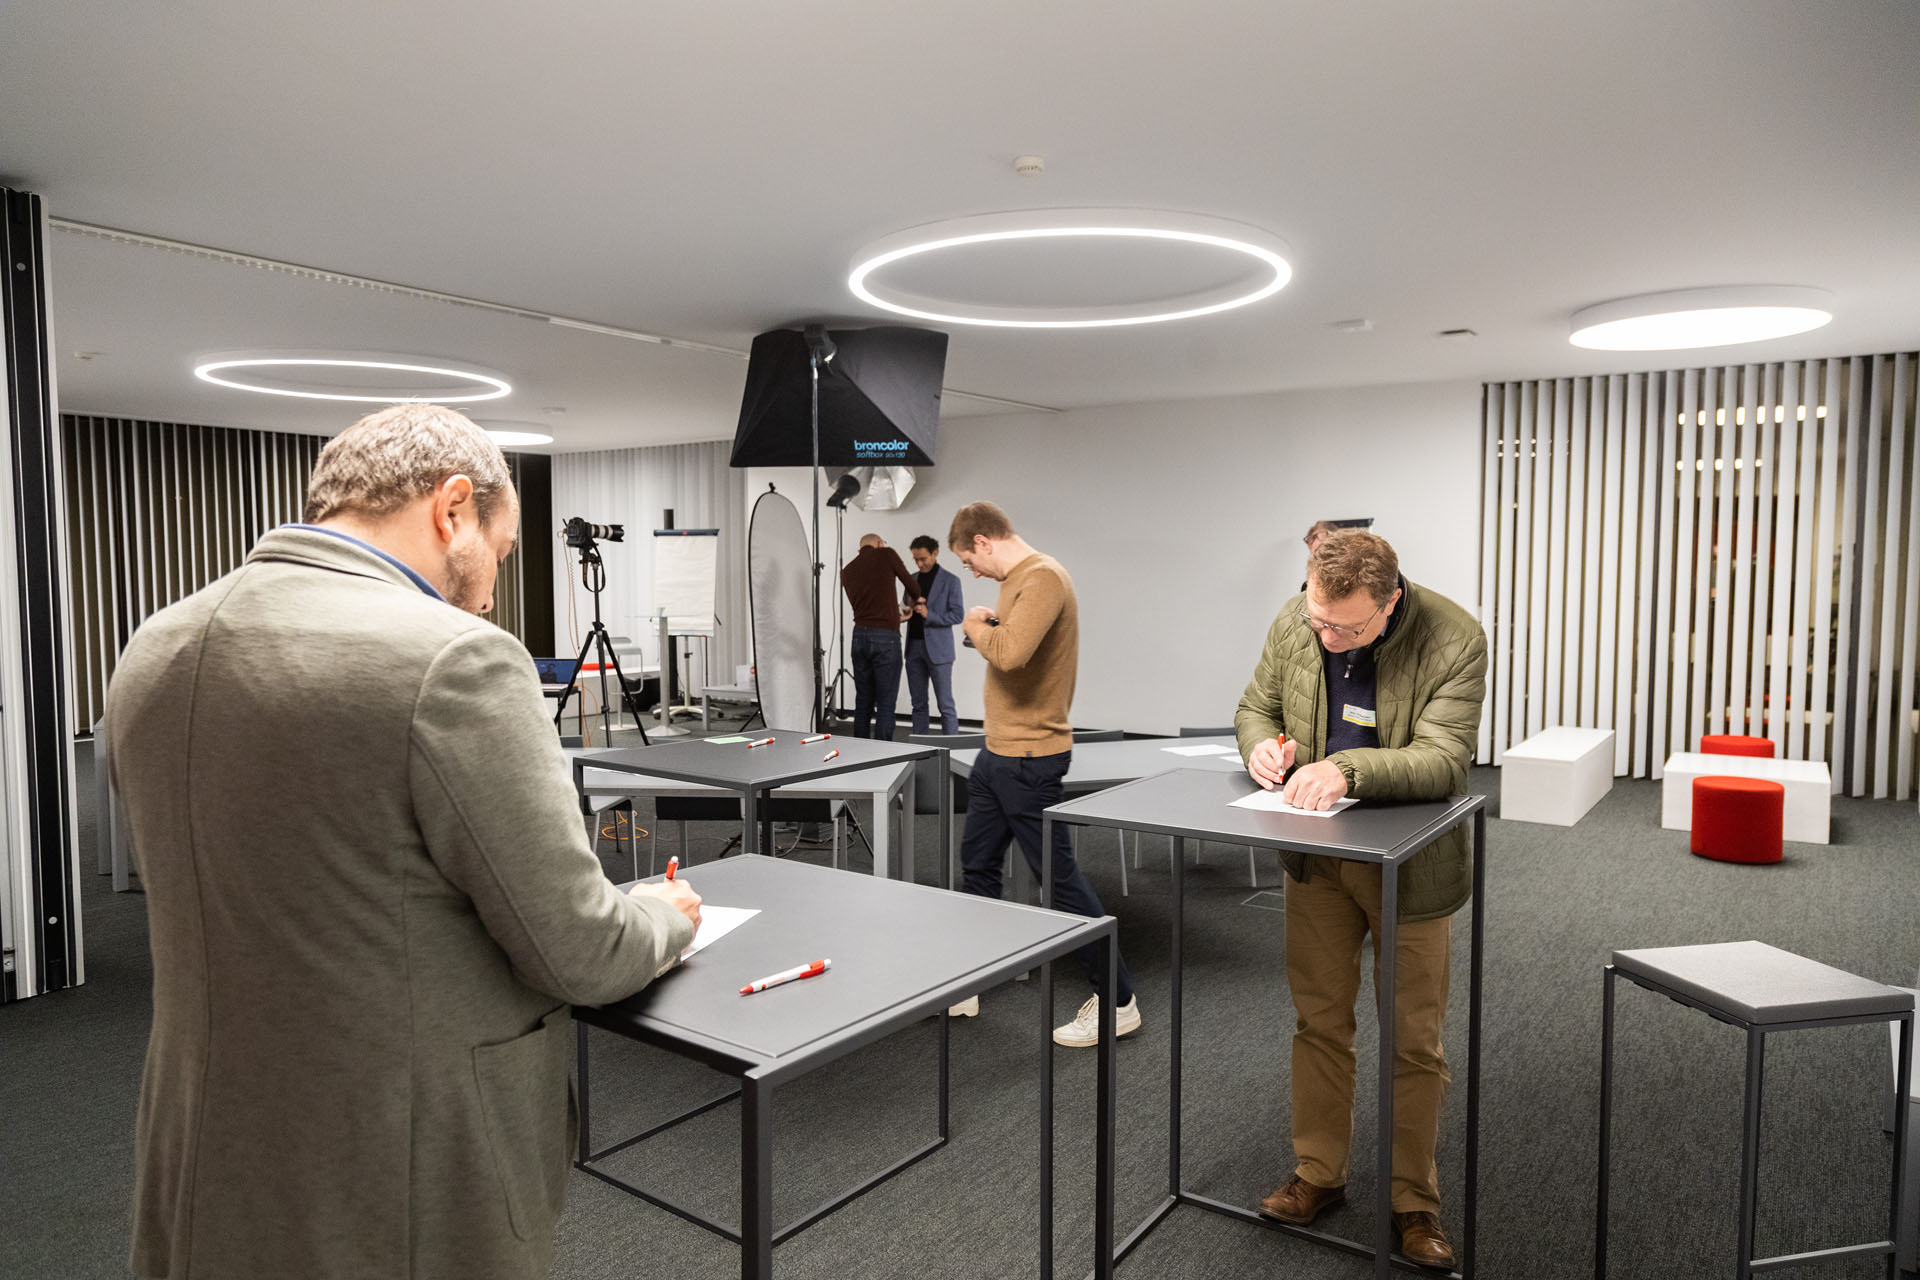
[(526, 1104)]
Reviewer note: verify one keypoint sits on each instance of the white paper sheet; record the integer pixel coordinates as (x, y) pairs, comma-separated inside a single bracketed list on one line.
[(715, 924), (1205, 749), (1270, 802)]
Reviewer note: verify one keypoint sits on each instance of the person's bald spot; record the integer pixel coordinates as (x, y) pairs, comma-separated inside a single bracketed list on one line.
[(871, 540)]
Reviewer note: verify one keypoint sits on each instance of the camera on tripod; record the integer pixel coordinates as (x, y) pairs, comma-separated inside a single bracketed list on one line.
[(581, 534)]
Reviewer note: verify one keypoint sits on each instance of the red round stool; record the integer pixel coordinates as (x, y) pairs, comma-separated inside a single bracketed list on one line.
[(1738, 819), (1735, 744)]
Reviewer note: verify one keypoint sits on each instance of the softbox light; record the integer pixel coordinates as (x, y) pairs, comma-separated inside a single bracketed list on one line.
[(879, 399)]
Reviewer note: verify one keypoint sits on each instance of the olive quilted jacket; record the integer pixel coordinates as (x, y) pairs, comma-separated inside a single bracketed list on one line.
[(1431, 683)]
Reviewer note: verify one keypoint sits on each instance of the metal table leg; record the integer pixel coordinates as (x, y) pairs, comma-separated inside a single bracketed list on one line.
[(1046, 1116), (756, 1179), (946, 822), (1389, 954), (1606, 1128), (1103, 1111), (1750, 1151), (1471, 1207)]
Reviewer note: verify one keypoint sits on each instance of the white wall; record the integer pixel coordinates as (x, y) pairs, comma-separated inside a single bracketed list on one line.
[(1181, 524)]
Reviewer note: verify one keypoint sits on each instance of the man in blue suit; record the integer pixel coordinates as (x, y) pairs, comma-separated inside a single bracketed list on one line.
[(930, 636)]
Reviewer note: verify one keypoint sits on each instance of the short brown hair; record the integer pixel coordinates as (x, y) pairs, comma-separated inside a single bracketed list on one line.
[(977, 520), (1350, 560), (387, 459)]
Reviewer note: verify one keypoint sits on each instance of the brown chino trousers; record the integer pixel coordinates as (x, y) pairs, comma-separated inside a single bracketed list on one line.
[(1328, 917)]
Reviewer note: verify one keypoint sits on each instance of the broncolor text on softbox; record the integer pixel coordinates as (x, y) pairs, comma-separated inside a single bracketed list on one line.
[(879, 399)]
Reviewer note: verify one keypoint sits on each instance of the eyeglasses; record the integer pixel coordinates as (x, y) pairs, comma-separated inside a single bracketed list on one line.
[(1345, 633)]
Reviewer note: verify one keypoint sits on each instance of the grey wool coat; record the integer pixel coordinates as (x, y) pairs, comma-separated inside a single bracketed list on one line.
[(371, 903), (1431, 684)]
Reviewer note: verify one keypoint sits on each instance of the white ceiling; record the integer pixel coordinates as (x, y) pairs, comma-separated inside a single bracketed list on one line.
[(708, 171)]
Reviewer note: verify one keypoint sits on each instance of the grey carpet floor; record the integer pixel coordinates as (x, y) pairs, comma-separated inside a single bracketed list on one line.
[(1558, 901)]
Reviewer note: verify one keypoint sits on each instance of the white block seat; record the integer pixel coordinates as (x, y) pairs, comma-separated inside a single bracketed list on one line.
[(1556, 776), (1809, 787)]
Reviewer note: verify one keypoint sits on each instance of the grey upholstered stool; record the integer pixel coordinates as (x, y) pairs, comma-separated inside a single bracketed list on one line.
[(1760, 989)]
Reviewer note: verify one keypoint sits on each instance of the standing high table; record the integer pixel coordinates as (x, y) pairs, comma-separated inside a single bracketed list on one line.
[(1098, 765), (754, 772), (901, 953), (881, 785), (1193, 804)]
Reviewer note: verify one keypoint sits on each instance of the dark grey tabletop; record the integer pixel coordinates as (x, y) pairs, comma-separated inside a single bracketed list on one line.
[(1760, 983), (1198, 803), (1105, 764), (740, 767), (893, 946)]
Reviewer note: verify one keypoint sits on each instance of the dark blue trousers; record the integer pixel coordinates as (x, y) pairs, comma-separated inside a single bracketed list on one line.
[(875, 654), (921, 673), (1005, 797)]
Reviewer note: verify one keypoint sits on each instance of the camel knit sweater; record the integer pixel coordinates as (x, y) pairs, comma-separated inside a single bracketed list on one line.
[(1032, 659)]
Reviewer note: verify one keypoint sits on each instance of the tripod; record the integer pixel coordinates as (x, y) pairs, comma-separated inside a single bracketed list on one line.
[(593, 575)]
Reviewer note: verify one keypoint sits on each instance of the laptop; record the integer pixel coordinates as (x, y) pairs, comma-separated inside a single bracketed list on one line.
[(556, 674)]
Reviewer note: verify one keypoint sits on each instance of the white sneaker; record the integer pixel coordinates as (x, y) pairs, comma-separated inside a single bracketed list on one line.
[(1084, 1031), (968, 1008)]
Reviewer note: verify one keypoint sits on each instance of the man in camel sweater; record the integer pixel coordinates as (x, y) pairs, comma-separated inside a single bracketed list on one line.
[(1031, 641)]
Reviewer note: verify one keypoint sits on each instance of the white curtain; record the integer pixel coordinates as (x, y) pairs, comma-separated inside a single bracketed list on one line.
[(635, 488), (1708, 550)]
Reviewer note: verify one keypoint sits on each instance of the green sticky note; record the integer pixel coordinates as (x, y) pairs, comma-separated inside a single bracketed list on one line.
[(738, 737)]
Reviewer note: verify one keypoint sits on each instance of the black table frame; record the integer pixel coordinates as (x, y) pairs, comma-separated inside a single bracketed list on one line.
[(786, 761), (1745, 1264), (759, 1076), (1458, 810)]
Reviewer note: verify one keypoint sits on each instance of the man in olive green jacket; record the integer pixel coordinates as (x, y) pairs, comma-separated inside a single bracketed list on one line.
[(1372, 688), (370, 894)]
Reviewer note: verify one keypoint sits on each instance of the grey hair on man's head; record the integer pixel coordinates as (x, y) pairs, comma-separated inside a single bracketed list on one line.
[(389, 458)]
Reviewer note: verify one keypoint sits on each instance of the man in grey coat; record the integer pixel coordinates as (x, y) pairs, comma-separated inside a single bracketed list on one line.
[(370, 894)]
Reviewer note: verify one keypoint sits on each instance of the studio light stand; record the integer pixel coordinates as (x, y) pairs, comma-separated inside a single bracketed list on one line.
[(836, 703), (820, 351), (593, 575), (827, 696)]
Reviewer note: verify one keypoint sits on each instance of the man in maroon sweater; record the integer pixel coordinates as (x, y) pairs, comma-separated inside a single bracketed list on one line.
[(868, 579)]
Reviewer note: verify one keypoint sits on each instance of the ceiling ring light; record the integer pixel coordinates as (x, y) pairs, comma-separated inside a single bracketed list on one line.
[(508, 433), (1267, 262), (221, 371), (1686, 318)]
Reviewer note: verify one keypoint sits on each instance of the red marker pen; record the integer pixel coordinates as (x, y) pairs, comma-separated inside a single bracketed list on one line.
[(818, 737), (764, 742), (813, 970), (830, 755), (673, 865)]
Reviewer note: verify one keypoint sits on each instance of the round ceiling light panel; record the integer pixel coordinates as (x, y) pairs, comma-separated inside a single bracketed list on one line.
[(1687, 318), (363, 378), (507, 434), (1071, 268)]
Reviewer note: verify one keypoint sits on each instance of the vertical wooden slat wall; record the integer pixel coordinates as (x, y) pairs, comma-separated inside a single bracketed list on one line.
[(160, 509), (1724, 549)]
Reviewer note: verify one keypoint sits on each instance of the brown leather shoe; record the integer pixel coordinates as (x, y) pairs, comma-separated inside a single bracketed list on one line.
[(1299, 1202), (1422, 1240)]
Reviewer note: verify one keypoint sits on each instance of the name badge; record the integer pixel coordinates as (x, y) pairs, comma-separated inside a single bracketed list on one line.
[(1358, 715)]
